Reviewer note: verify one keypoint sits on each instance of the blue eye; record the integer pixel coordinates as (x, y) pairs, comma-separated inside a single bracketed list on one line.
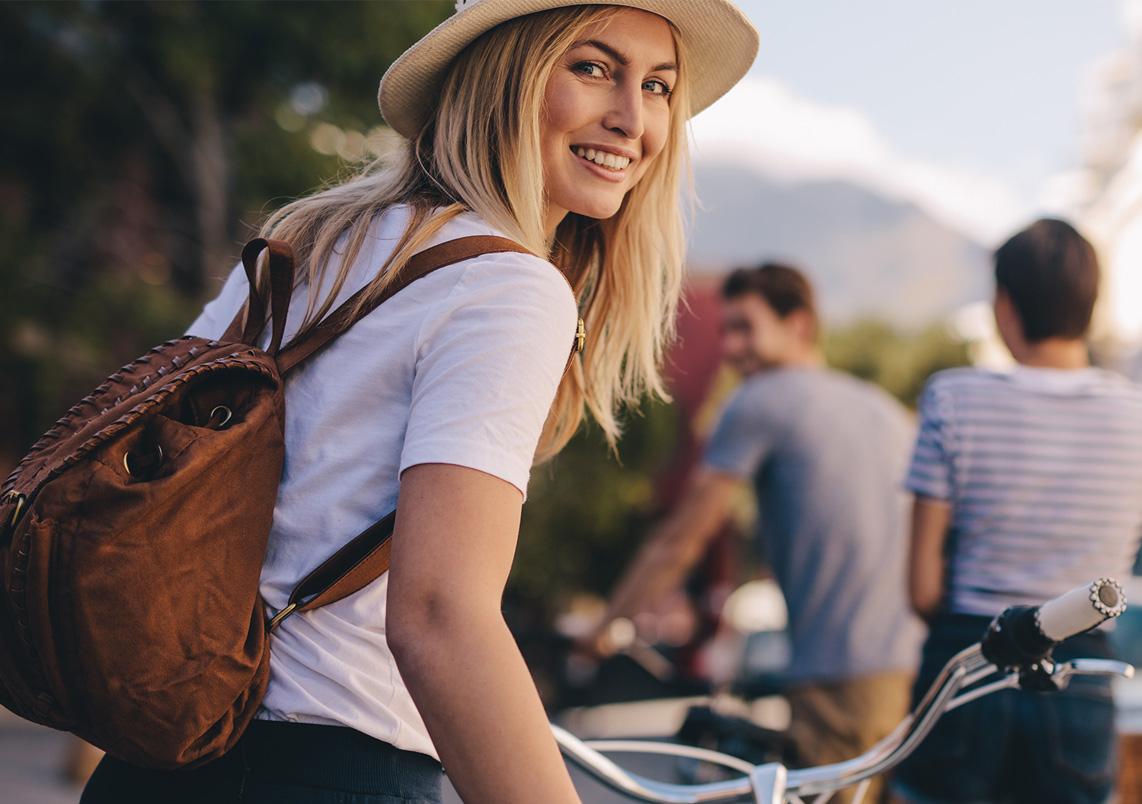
[(590, 68), (656, 87)]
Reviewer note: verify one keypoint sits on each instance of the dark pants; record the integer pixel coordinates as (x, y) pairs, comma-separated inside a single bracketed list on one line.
[(1014, 745), (280, 763)]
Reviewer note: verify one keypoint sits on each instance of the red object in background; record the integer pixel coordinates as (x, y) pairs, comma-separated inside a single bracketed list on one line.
[(692, 367)]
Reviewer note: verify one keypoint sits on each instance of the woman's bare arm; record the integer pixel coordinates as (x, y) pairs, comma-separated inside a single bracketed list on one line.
[(455, 537)]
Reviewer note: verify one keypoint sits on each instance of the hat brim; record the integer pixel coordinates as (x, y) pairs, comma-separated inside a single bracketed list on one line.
[(721, 44)]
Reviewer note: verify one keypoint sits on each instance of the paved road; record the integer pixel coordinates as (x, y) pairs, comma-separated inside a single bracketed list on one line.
[(31, 764)]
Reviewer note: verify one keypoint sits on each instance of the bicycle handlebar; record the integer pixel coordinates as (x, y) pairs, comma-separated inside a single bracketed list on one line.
[(1023, 636), (1017, 640)]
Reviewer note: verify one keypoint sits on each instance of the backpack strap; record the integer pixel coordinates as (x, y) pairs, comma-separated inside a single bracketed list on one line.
[(421, 264), (281, 269), (366, 557), (353, 567)]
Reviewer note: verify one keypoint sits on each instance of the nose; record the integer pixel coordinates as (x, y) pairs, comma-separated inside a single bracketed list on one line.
[(624, 115)]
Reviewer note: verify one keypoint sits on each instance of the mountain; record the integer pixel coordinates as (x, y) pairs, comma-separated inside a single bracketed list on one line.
[(866, 254)]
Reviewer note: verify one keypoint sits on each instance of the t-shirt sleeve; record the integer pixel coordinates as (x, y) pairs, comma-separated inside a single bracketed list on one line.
[(931, 472), (217, 314), (488, 363), (742, 438)]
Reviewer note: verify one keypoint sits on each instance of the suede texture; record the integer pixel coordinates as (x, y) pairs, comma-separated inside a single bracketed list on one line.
[(133, 614)]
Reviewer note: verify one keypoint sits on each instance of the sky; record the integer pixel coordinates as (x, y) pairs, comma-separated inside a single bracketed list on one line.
[(971, 108)]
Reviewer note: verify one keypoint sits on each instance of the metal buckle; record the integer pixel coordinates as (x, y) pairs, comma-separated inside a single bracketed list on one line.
[(281, 615)]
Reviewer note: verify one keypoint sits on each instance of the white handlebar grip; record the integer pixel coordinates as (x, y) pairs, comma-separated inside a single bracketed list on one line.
[(1081, 609)]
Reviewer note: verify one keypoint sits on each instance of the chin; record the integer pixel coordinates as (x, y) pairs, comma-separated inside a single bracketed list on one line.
[(599, 210)]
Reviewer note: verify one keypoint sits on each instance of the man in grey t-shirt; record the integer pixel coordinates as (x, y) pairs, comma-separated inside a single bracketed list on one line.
[(826, 454)]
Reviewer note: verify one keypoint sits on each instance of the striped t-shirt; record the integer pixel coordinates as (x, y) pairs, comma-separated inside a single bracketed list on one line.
[(1043, 470)]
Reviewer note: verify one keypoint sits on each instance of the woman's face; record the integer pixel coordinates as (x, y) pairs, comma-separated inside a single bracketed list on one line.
[(606, 114)]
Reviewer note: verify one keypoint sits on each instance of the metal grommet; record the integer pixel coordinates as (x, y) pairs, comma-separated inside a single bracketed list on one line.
[(156, 461), (226, 414)]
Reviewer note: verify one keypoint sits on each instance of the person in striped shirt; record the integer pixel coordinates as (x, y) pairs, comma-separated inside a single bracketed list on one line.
[(1028, 483)]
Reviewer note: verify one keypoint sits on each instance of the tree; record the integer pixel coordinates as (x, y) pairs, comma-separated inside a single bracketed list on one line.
[(138, 153), (898, 362)]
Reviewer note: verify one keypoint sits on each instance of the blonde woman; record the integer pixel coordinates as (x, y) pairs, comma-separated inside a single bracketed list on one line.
[(562, 128)]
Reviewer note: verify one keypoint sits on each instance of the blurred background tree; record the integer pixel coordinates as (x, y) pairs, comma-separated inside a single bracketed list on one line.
[(899, 362), (139, 148)]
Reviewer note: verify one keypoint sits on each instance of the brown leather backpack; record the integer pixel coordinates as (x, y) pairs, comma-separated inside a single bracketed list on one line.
[(132, 537)]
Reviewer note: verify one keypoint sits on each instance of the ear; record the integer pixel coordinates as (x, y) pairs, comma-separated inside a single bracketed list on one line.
[(1007, 321), (1004, 308), (801, 323)]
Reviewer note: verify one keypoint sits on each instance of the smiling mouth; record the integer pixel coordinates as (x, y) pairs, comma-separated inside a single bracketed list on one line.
[(603, 159)]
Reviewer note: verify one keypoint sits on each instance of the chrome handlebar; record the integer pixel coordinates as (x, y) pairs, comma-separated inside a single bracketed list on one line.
[(969, 675)]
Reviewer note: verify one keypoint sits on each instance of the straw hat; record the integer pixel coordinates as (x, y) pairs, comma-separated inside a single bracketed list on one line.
[(720, 40)]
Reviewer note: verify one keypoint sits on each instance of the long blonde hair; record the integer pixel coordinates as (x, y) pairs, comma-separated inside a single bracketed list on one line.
[(480, 151)]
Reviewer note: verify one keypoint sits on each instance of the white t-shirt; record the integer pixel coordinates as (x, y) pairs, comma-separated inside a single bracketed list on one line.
[(461, 368)]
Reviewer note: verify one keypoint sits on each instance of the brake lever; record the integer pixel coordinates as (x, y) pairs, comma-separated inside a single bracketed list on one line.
[(1048, 676), (1096, 667)]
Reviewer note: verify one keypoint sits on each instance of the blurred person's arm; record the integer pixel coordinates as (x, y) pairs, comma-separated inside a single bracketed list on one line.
[(927, 560), (669, 552)]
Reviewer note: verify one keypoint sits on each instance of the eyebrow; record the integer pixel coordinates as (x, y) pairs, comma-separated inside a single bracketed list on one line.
[(620, 58)]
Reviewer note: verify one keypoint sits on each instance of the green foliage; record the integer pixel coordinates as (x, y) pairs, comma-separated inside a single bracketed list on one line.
[(898, 362), (588, 509), (139, 145)]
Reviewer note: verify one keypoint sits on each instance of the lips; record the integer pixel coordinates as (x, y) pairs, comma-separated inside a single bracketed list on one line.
[(603, 159)]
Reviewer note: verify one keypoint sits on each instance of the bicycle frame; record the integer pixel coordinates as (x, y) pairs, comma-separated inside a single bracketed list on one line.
[(966, 677)]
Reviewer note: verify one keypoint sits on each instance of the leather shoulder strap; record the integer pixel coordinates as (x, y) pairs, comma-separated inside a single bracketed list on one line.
[(421, 264), (281, 270), (366, 557), (353, 567)]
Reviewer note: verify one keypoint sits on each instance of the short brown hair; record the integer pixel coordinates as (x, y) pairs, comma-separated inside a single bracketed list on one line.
[(783, 288), (1050, 273)]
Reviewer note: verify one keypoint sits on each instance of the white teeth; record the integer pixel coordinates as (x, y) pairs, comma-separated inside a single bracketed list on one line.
[(603, 159)]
